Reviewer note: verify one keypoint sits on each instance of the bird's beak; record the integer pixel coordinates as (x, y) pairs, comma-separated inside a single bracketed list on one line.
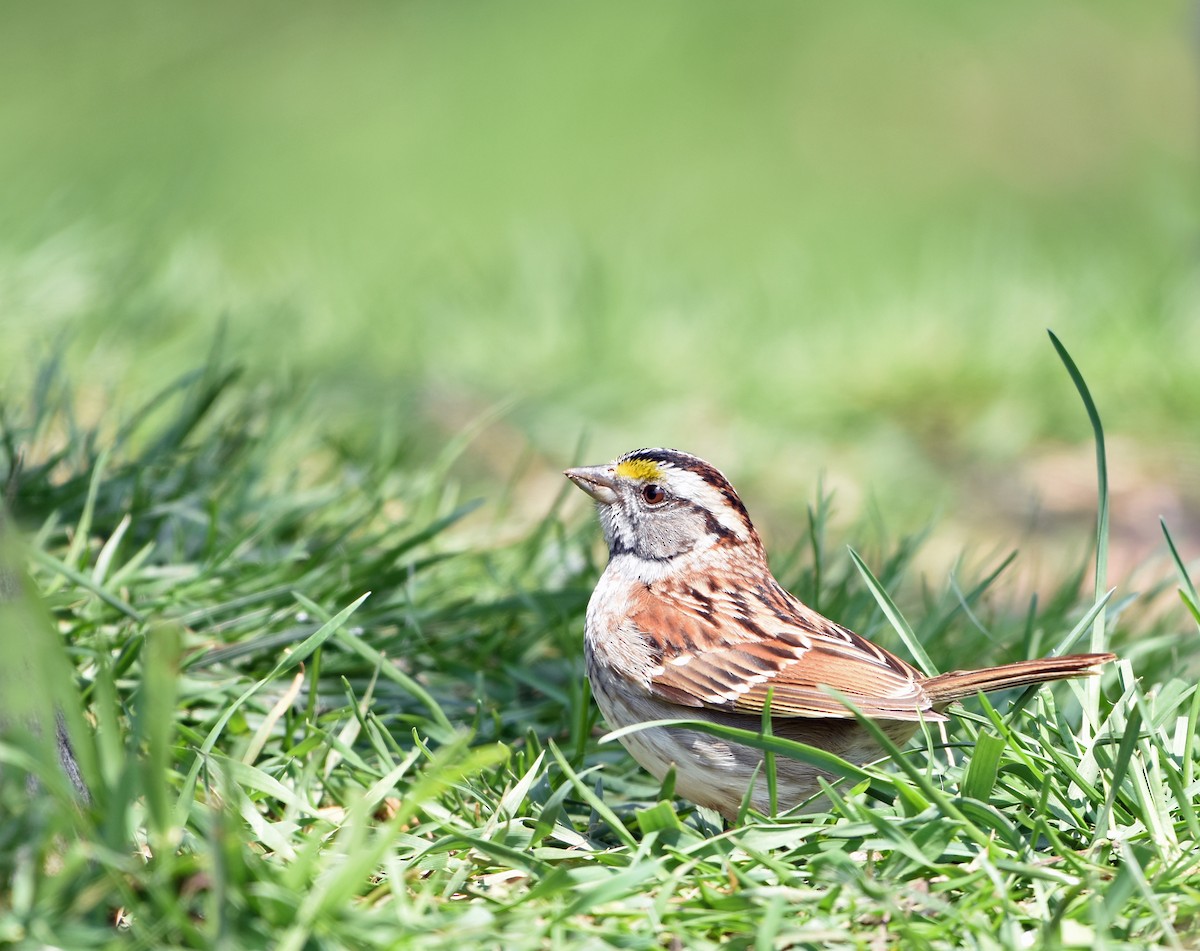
[(596, 481)]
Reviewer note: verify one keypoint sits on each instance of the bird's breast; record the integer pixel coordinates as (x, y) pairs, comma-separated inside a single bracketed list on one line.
[(611, 639)]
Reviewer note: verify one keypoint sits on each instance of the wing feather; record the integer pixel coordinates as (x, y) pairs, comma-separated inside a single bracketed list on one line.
[(727, 651)]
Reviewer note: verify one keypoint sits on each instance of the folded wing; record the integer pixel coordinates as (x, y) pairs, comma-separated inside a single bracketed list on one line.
[(732, 662)]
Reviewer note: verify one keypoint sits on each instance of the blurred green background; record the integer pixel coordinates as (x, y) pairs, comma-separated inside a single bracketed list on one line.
[(792, 238)]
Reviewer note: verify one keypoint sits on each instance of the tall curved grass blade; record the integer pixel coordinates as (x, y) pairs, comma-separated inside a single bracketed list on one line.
[(1099, 640), (903, 628)]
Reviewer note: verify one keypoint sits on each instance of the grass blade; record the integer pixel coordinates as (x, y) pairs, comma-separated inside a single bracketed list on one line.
[(1187, 589), (1099, 640), (903, 628)]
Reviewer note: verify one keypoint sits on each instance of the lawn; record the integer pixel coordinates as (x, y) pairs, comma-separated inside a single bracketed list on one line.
[(304, 314)]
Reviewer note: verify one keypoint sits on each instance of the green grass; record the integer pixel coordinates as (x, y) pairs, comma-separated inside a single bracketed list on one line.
[(312, 715)]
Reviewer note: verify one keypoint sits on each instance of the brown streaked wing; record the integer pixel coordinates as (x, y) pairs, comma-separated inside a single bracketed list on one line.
[(795, 663), (880, 684)]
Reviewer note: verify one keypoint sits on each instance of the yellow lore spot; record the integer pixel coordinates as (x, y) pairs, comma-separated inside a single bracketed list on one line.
[(641, 469)]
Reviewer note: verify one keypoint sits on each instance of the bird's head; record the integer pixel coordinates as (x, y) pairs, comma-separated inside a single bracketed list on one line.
[(658, 504)]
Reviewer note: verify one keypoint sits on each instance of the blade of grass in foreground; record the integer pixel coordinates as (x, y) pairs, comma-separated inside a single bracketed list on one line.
[(769, 755), (1099, 641), (903, 628), (592, 799)]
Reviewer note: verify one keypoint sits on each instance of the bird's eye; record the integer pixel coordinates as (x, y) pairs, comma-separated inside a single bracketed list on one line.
[(654, 494)]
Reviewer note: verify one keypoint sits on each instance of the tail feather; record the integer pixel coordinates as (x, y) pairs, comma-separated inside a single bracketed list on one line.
[(957, 684)]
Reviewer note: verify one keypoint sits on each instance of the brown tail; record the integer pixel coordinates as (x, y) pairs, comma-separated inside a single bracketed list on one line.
[(958, 684)]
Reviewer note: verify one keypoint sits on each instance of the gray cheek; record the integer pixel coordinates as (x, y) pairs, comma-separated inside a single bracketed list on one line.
[(668, 535)]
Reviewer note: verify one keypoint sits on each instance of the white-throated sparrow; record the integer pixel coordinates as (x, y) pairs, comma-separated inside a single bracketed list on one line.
[(688, 621)]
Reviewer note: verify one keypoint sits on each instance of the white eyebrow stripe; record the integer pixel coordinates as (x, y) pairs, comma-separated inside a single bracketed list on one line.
[(695, 488)]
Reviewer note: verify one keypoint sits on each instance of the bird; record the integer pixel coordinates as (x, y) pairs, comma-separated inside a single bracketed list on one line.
[(687, 621)]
